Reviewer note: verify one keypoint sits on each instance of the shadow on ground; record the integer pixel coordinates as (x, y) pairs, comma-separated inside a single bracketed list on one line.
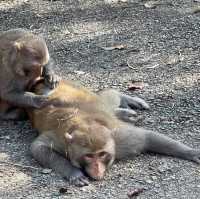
[(160, 49)]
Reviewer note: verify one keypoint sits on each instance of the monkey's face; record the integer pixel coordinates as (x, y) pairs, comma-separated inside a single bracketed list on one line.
[(94, 152), (29, 59)]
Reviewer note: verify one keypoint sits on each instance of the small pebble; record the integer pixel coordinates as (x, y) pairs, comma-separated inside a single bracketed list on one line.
[(46, 171)]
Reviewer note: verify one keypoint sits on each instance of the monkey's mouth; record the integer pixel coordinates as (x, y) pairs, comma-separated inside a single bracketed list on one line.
[(92, 177), (34, 83)]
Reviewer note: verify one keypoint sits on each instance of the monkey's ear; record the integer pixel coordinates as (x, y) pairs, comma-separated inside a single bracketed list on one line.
[(15, 47), (18, 46), (68, 137)]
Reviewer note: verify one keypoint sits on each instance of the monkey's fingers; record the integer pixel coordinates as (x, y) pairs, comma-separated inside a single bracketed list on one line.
[(52, 80), (77, 178), (134, 102), (41, 101), (79, 182)]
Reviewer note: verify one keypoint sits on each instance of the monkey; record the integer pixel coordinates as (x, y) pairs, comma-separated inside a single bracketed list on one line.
[(81, 139), (24, 57)]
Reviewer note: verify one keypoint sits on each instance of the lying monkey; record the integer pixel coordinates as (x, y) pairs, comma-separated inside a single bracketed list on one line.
[(88, 133)]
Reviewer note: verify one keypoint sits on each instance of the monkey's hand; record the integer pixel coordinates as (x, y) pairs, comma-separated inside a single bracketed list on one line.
[(77, 178), (52, 80), (44, 151), (40, 101)]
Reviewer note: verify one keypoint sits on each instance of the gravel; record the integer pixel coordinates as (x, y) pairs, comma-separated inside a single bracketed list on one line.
[(161, 49)]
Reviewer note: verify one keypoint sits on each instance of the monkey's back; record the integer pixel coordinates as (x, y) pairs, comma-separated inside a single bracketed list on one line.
[(82, 107)]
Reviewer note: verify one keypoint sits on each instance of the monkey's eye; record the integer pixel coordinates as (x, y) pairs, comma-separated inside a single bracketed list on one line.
[(88, 157), (103, 154), (36, 65), (27, 72)]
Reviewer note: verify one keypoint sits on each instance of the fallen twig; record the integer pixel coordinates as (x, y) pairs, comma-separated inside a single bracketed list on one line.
[(18, 165), (118, 47), (135, 192), (129, 65)]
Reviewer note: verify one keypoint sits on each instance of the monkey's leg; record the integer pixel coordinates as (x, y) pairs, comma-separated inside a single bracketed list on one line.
[(14, 114), (131, 140), (51, 79), (8, 112), (116, 100), (43, 151)]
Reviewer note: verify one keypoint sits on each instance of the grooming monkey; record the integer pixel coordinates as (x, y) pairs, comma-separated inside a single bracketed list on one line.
[(24, 57), (85, 136)]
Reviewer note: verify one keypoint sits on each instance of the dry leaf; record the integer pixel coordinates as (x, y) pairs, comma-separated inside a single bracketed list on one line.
[(79, 72), (151, 4), (135, 192), (134, 85), (63, 190), (46, 171), (118, 47), (195, 9), (153, 66)]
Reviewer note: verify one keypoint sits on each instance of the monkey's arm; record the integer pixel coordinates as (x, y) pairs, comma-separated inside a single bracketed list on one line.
[(131, 140), (24, 99), (43, 151), (51, 79)]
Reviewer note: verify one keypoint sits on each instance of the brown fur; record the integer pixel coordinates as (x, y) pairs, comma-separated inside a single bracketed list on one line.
[(84, 133)]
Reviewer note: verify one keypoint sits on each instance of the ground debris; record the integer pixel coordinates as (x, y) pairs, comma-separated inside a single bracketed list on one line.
[(135, 192), (63, 190), (46, 171), (135, 85), (118, 47), (154, 4), (151, 4), (18, 165), (195, 9)]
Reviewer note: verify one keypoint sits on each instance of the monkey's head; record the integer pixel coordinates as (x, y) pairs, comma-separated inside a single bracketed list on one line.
[(27, 57), (92, 150)]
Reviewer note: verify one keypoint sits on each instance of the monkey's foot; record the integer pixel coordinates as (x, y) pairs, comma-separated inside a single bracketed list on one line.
[(133, 102), (194, 155), (14, 114)]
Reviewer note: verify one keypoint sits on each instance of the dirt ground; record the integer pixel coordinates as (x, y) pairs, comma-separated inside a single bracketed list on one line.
[(159, 47)]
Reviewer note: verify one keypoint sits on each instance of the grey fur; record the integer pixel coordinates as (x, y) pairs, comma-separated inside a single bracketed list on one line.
[(129, 140)]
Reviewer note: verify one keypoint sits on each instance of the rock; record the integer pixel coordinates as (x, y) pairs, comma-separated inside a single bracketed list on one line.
[(46, 171), (149, 181)]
